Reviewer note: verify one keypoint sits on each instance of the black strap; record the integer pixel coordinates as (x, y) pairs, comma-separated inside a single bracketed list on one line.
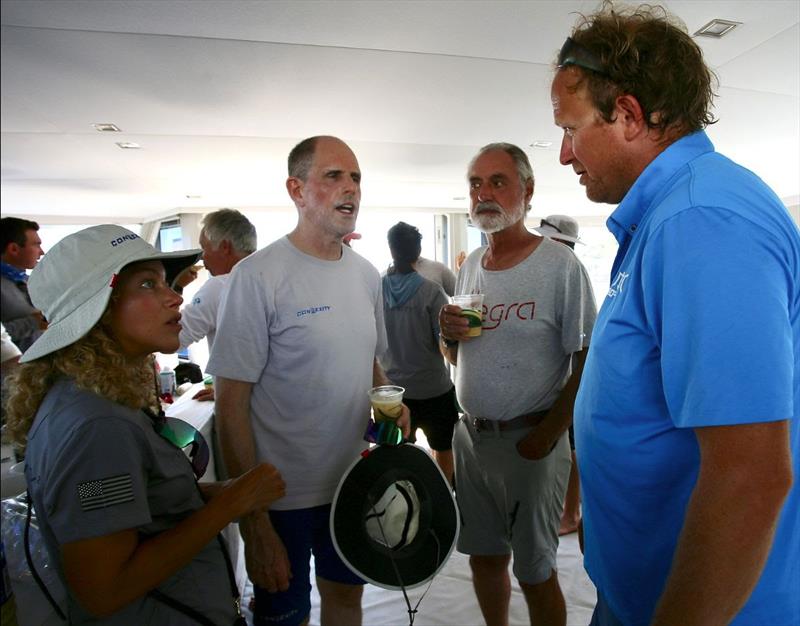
[(155, 593), (31, 566), (181, 607)]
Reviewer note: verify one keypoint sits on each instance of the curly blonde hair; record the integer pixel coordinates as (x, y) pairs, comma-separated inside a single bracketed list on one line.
[(95, 363)]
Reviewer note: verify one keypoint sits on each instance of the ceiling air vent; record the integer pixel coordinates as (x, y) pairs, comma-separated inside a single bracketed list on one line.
[(717, 28), (107, 128)]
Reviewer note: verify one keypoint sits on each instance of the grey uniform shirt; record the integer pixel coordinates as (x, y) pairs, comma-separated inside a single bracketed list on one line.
[(95, 468)]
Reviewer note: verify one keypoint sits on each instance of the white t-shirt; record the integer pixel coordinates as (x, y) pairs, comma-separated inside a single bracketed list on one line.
[(535, 316), (305, 331), (9, 349), (199, 318), (438, 273)]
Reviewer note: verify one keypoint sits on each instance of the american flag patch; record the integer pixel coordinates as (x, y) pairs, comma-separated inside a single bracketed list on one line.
[(106, 492)]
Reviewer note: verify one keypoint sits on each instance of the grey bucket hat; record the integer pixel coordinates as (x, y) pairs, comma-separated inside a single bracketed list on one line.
[(560, 227), (73, 282)]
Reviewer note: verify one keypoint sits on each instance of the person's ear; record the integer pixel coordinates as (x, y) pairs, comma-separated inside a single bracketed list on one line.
[(631, 115), (295, 188), (225, 246)]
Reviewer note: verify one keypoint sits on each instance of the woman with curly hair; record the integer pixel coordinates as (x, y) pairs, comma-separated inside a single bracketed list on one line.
[(127, 528)]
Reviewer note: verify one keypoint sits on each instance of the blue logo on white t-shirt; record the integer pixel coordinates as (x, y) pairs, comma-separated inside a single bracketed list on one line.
[(313, 310)]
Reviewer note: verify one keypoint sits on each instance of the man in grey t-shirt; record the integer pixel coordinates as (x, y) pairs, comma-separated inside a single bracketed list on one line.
[(516, 382), (298, 334)]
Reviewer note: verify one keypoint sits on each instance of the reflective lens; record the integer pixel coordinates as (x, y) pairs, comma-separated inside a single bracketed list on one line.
[(184, 435), (384, 433)]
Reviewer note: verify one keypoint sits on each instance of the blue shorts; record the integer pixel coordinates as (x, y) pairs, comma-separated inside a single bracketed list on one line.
[(303, 532)]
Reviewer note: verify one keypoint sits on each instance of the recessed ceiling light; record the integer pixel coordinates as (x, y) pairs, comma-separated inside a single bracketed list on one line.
[(458, 198), (541, 144), (128, 145), (193, 196), (107, 128), (717, 28)]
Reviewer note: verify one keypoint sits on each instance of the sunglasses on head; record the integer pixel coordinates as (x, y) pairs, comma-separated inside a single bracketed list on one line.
[(183, 435), (573, 53), (384, 433)]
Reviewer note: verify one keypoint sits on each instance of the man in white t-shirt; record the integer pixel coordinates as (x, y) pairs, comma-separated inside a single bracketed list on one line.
[(297, 339), (226, 238), (516, 383)]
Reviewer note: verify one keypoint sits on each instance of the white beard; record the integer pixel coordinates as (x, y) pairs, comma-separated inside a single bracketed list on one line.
[(492, 223)]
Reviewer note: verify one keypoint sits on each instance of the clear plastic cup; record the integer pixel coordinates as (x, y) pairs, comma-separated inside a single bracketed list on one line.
[(472, 308), (386, 402)]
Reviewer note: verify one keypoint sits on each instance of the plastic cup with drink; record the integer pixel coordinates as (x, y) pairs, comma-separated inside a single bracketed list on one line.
[(387, 407), (472, 308)]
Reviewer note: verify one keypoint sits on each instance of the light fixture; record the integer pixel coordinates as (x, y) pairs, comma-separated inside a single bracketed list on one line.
[(717, 28), (128, 145), (541, 144), (107, 128), (459, 198), (193, 196)]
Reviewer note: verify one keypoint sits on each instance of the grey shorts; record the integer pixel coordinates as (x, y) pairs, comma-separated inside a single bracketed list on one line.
[(509, 504)]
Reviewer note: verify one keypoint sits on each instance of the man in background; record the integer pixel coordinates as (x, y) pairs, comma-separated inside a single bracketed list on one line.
[(21, 251), (437, 272), (295, 354), (686, 422), (564, 229), (411, 307), (226, 238)]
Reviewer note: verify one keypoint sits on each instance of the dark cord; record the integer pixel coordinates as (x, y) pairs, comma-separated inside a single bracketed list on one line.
[(411, 611)]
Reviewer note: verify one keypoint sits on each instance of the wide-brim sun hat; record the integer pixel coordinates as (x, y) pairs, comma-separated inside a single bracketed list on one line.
[(394, 520), (72, 283), (559, 227)]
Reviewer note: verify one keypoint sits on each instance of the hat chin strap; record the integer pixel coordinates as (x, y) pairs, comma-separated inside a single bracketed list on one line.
[(377, 516)]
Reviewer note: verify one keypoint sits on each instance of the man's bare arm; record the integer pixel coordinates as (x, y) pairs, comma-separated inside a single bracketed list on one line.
[(539, 442), (453, 328), (267, 562), (745, 475)]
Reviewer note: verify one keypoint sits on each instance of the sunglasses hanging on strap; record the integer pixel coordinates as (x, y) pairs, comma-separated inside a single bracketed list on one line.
[(183, 435)]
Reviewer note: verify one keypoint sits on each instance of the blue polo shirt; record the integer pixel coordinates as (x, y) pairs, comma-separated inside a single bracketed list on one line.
[(700, 327)]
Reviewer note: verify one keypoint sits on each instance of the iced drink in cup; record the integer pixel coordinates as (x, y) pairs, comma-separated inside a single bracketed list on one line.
[(471, 308), (387, 402)]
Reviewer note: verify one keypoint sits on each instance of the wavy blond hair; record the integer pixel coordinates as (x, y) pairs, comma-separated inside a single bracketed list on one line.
[(95, 363)]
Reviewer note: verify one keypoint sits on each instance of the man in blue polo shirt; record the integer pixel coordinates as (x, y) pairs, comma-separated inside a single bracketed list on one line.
[(687, 416)]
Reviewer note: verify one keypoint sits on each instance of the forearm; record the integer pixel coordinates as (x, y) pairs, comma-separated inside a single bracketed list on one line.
[(726, 537), (195, 324), (236, 439), (232, 417), (378, 375), (559, 417)]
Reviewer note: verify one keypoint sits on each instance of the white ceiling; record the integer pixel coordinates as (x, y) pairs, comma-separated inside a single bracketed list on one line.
[(217, 93)]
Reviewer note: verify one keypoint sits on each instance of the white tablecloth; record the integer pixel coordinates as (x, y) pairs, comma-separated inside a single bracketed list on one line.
[(200, 415)]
